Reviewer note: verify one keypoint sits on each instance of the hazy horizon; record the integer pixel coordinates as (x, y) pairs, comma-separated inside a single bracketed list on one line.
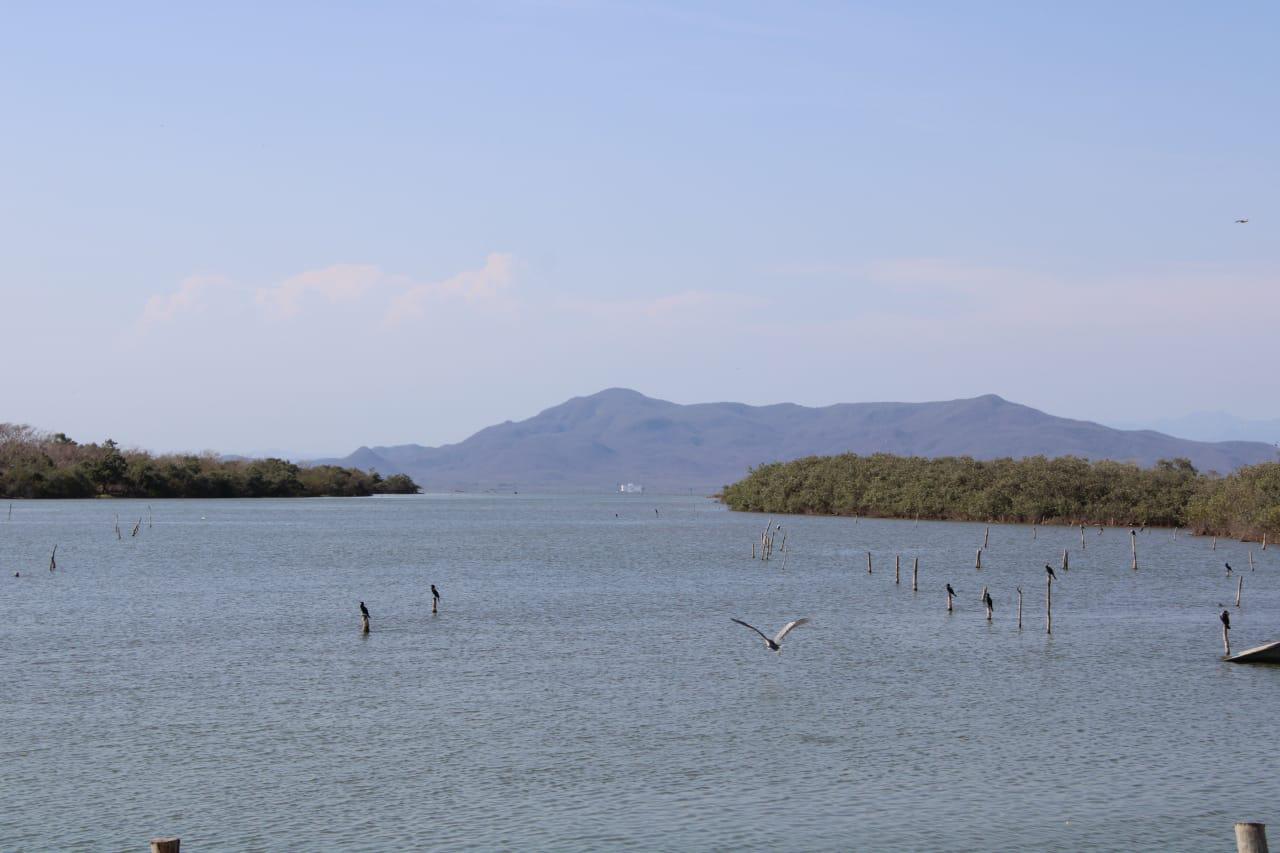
[(242, 227)]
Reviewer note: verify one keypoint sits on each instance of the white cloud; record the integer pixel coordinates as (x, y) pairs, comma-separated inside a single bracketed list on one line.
[(335, 284), (484, 286), (189, 297)]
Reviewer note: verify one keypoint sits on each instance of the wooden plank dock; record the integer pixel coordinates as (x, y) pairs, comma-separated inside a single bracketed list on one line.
[(1266, 653)]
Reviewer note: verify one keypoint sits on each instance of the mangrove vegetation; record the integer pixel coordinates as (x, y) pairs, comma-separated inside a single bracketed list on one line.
[(1063, 490), (37, 465)]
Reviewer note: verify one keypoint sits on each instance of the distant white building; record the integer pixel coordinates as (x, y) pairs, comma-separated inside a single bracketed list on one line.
[(631, 488)]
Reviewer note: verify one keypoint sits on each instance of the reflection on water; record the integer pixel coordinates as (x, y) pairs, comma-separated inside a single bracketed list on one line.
[(582, 686)]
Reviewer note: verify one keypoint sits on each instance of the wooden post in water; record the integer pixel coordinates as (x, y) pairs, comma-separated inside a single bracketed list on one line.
[(1250, 559), (1019, 608), (948, 598), (53, 558), (915, 571), (1239, 588), (868, 562), (1251, 838), (1033, 533), (977, 563), (753, 550), (165, 845), (1264, 541), (986, 534), (986, 602), (1065, 564), (897, 565), (1048, 604), (1215, 543), (1133, 541), (1226, 640)]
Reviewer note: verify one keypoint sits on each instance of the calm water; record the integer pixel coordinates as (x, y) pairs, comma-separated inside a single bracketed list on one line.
[(583, 688)]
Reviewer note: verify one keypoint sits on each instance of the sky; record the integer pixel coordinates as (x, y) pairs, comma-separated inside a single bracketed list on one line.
[(315, 226)]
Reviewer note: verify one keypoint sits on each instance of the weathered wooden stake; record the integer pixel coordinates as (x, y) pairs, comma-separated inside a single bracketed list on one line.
[(1239, 588), (53, 558), (753, 550), (986, 602), (897, 566), (1226, 641), (1033, 533), (1215, 543), (977, 563), (364, 623), (915, 571), (1250, 559), (948, 598), (868, 562), (1264, 541), (1048, 604), (165, 845), (986, 534), (1251, 838), (1065, 563), (1133, 541), (1019, 608)]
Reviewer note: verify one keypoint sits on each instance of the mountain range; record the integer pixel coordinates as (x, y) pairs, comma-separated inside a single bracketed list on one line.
[(617, 435)]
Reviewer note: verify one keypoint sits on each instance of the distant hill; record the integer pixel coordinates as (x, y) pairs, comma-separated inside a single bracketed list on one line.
[(593, 443), (1214, 426)]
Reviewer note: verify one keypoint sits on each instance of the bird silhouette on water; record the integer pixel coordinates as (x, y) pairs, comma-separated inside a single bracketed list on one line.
[(1228, 565), (951, 592), (1048, 570), (773, 643), (1226, 619), (364, 611), (986, 600)]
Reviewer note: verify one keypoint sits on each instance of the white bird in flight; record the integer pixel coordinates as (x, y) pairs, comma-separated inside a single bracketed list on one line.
[(775, 643)]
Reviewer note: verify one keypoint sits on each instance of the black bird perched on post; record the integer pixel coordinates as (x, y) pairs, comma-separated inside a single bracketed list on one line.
[(1226, 620), (951, 592), (364, 611), (1048, 570), (435, 599), (1228, 565)]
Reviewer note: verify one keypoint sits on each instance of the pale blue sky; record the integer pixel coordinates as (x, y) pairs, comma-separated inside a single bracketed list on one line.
[(319, 225)]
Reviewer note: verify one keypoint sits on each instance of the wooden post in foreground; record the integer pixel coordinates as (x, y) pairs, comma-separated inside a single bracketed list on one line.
[(1048, 604), (977, 563), (1250, 559), (170, 845), (1065, 564), (1019, 608), (1251, 838), (1133, 541), (868, 562), (897, 568), (1239, 587), (915, 571)]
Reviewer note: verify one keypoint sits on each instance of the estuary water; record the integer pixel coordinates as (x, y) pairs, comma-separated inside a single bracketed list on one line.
[(582, 687)]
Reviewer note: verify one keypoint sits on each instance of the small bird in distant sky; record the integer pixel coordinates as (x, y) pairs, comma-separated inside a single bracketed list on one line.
[(1241, 221), (1048, 570)]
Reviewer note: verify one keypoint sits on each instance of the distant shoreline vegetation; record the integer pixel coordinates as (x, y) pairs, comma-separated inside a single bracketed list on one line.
[(1064, 490), (37, 465)]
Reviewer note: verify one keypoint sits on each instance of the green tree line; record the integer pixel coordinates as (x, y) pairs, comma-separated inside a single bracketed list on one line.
[(37, 465), (1064, 490)]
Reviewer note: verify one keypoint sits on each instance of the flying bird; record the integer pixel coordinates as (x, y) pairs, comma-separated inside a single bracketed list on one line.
[(775, 643), (1226, 620), (1241, 221), (1048, 570)]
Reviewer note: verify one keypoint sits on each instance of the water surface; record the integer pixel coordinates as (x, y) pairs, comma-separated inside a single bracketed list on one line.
[(583, 688)]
